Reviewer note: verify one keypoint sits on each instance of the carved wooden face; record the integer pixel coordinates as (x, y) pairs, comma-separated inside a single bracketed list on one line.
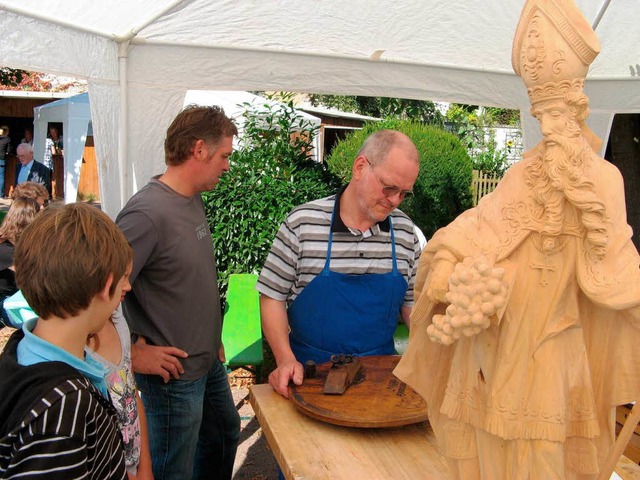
[(556, 118)]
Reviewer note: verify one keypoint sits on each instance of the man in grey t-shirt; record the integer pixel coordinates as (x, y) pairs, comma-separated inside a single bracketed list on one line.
[(173, 309)]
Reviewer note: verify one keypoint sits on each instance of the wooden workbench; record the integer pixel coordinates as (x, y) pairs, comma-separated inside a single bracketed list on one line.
[(307, 449)]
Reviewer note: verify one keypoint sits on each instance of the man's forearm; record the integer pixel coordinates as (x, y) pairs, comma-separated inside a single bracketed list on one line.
[(275, 326)]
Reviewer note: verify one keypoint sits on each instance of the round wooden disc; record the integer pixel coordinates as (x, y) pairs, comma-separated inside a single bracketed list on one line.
[(379, 400)]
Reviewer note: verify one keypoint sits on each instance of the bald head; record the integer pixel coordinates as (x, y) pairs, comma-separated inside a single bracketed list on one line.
[(377, 146), (25, 153)]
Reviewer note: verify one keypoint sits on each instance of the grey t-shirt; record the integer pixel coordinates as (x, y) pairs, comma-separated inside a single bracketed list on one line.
[(174, 299)]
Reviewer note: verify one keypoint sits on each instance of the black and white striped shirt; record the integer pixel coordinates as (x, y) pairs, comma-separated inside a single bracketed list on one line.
[(71, 432), (299, 250)]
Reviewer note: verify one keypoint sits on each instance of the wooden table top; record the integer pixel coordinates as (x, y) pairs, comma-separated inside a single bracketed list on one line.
[(308, 449)]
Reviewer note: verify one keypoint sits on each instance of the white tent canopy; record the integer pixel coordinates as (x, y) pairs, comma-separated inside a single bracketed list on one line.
[(141, 56), (75, 116)]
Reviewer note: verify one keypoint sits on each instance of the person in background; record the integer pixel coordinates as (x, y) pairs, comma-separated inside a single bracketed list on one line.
[(340, 271), (28, 136), (56, 419), (30, 170), (34, 191), (20, 215), (5, 149), (174, 307)]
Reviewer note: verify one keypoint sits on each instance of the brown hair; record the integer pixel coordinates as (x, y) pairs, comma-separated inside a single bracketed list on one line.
[(65, 256), (21, 213), (193, 123), (30, 190)]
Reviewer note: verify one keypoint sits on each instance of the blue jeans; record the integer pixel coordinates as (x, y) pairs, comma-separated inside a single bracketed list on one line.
[(2, 167), (193, 425)]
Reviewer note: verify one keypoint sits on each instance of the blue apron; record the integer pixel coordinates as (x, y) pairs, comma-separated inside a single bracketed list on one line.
[(341, 313)]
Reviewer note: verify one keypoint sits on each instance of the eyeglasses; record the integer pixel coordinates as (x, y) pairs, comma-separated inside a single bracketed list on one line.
[(389, 190)]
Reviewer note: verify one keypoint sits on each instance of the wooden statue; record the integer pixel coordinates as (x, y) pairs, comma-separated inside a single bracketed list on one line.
[(525, 334)]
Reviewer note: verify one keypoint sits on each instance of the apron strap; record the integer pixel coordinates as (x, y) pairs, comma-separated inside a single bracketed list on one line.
[(327, 262)]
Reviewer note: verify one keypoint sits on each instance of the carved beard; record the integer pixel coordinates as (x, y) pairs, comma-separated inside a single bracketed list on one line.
[(561, 177)]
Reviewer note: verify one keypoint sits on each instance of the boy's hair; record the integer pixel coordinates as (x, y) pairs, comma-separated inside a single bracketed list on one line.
[(65, 256), (31, 190), (193, 123)]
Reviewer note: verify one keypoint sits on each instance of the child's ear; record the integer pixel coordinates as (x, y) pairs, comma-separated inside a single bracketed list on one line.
[(104, 293)]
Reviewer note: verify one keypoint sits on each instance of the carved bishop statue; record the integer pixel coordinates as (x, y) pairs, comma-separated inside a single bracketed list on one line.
[(525, 335)]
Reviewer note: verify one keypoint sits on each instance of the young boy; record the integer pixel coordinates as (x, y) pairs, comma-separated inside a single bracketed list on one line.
[(56, 420)]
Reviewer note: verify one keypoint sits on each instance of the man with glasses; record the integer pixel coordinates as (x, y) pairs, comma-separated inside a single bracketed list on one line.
[(341, 269), (30, 170), (173, 309)]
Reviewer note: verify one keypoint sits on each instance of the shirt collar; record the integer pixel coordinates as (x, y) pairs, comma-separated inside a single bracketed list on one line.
[(338, 224), (33, 349)]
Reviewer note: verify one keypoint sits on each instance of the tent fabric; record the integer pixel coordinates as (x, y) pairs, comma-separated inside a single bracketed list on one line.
[(75, 115), (141, 56)]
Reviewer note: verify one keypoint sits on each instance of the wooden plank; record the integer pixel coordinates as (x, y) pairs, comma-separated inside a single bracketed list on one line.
[(309, 449)]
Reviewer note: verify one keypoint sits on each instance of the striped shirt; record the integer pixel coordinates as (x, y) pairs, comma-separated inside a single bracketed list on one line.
[(299, 250), (70, 433)]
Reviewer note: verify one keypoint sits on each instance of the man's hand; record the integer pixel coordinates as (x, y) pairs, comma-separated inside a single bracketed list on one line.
[(280, 377), (153, 360), (221, 356)]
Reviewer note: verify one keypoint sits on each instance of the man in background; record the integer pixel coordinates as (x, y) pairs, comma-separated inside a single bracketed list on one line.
[(5, 148), (30, 170)]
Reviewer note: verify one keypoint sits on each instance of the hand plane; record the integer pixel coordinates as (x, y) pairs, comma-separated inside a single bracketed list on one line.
[(343, 370)]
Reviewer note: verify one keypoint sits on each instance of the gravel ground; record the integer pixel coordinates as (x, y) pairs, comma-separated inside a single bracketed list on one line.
[(254, 460)]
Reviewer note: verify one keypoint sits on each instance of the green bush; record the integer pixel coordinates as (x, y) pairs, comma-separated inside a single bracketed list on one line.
[(268, 176), (442, 190)]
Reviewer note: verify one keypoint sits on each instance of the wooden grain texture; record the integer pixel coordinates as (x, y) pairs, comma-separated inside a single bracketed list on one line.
[(378, 400), (309, 449)]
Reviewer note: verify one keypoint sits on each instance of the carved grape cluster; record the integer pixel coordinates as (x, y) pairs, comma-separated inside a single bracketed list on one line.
[(476, 291)]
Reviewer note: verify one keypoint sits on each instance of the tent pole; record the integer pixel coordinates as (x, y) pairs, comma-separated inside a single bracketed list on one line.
[(122, 124)]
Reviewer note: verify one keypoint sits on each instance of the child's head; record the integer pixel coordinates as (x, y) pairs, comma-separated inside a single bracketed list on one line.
[(33, 190), (21, 213), (66, 256)]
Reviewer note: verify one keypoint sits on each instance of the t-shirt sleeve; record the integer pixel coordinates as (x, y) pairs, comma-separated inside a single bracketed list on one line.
[(141, 234), (417, 250), (279, 271), (6, 255)]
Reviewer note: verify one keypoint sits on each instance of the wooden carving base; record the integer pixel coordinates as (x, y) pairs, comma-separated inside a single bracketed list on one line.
[(379, 400)]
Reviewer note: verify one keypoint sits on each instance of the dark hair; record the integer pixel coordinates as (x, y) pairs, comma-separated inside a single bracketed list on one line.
[(193, 123), (65, 256)]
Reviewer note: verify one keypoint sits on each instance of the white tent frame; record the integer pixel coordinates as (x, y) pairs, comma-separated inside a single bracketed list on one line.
[(75, 115), (140, 57)]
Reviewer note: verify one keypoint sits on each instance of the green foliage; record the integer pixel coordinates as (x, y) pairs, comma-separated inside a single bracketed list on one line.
[(419, 110), (473, 128), (503, 116), (268, 176), (10, 77), (442, 190)]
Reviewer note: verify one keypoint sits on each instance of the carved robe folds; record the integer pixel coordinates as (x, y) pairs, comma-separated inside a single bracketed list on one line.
[(560, 356)]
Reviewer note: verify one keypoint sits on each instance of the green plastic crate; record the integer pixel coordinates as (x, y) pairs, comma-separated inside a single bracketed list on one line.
[(241, 330)]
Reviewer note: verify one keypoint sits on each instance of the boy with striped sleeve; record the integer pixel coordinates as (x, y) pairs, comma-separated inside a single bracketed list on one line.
[(56, 419)]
